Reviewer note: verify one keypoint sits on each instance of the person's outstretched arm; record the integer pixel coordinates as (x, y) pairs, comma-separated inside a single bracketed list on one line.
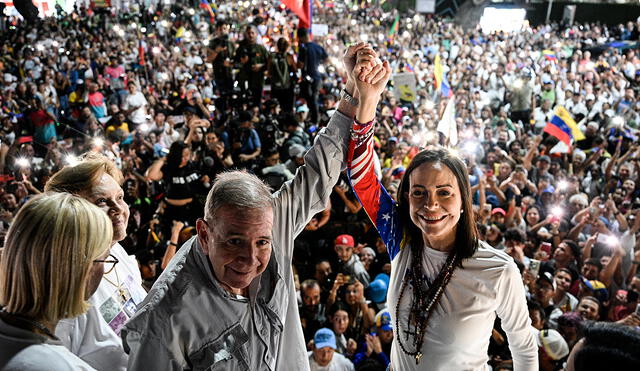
[(378, 204), (308, 192)]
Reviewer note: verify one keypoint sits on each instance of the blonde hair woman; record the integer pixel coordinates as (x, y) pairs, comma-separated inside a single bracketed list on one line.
[(93, 336), (55, 254)]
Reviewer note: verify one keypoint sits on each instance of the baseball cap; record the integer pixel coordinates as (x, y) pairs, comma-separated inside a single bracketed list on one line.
[(553, 344), (549, 189), (384, 277), (377, 291), (302, 108), (498, 210), (383, 320), (544, 158), (344, 240), (547, 277), (599, 289), (398, 172), (324, 338), (591, 97)]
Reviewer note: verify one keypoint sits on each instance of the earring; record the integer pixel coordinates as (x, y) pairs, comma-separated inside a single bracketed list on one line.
[(462, 211)]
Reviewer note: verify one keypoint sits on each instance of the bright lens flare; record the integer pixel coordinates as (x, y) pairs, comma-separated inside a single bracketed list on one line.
[(429, 105), (612, 240), (563, 185), (557, 211), (518, 84), (71, 160), (22, 162)]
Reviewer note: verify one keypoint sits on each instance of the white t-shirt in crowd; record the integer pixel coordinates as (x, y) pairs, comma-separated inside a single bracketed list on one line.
[(338, 363), (137, 100)]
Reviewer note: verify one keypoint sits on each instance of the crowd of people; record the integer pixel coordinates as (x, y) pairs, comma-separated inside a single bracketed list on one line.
[(165, 99)]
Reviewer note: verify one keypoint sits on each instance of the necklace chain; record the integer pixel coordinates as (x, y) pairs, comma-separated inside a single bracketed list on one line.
[(118, 286), (424, 301)]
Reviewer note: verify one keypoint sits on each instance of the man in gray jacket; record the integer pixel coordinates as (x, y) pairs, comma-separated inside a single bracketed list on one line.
[(227, 299)]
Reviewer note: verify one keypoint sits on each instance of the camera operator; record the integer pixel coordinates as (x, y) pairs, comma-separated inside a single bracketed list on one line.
[(252, 59)]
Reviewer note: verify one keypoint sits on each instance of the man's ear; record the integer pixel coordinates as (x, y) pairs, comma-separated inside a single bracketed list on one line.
[(203, 235)]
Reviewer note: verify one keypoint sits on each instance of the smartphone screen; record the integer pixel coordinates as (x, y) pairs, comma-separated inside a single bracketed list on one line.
[(534, 267), (546, 247)]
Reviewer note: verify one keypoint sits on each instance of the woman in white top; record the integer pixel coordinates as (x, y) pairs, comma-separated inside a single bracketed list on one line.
[(446, 286), (53, 260), (94, 335)]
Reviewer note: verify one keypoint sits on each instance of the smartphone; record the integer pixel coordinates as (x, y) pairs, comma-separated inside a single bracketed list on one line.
[(638, 309), (534, 267), (546, 247), (178, 119)]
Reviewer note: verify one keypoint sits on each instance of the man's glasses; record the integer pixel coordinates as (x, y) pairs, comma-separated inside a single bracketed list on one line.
[(109, 263)]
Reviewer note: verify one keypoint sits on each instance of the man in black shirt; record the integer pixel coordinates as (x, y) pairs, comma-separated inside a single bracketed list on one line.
[(220, 56)]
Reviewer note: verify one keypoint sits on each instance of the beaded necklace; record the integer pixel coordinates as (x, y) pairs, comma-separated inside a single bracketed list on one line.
[(424, 301)]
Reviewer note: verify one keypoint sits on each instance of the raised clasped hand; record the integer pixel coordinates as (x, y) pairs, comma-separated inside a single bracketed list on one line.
[(370, 74)]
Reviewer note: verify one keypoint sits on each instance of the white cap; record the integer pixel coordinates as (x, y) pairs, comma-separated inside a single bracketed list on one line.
[(553, 344)]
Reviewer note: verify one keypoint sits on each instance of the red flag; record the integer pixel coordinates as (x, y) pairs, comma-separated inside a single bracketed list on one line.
[(302, 10), (141, 59)]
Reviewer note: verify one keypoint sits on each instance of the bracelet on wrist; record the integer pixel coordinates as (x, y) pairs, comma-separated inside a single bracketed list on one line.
[(348, 97)]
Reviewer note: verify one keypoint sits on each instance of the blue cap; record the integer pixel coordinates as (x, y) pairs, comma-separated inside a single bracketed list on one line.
[(324, 338), (384, 277), (377, 291)]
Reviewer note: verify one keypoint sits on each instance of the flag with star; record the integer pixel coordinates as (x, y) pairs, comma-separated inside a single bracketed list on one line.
[(375, 200)]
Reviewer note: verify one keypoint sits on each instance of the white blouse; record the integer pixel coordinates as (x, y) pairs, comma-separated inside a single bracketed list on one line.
[(458, 332)]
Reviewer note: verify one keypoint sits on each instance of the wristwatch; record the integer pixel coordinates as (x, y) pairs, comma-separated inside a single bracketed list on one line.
[(344, 94)]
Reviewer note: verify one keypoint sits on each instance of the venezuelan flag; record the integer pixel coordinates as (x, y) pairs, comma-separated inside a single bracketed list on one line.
[(408, 67), (563, 127), (204, 4), (549, 55)]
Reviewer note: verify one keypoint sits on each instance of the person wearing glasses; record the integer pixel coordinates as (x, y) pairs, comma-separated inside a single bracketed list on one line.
[(94, 336), (64, 241), (227, 299)]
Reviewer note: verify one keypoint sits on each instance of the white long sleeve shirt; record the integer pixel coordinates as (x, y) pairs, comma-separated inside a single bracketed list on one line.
[(457, 336)]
